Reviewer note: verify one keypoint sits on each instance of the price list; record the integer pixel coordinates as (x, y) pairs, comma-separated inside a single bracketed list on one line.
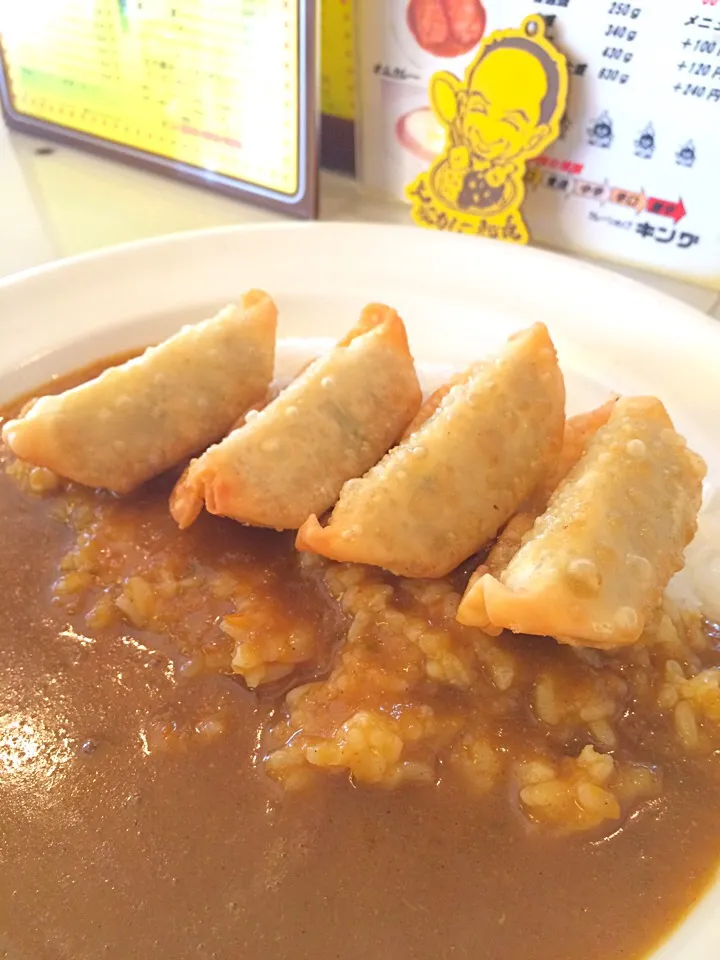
[(217, 86), (632, 176)]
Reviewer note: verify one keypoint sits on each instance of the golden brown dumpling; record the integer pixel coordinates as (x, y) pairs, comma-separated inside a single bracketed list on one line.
[(446, 489), (139, 418), (579, 431), (594, 566), (330, 424)]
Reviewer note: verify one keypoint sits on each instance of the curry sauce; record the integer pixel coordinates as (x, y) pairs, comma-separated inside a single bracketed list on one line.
[(138, 816)]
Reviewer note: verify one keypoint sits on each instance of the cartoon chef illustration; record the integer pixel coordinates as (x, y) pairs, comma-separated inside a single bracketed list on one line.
[(506, 111)]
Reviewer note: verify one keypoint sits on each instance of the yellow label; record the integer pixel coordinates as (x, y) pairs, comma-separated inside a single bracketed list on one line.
[(505, 111), (337, 59), (181, 79)]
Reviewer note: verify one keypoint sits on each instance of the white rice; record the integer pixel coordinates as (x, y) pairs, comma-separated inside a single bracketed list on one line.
[(699, 583)]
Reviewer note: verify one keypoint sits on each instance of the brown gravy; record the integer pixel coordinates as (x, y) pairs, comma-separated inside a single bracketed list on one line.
[(114, 848)]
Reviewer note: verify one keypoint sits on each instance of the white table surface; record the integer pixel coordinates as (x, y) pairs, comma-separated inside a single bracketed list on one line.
[(58, 204)]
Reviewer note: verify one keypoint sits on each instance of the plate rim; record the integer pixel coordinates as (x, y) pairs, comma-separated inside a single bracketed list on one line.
[(180, 237), (698, 934)]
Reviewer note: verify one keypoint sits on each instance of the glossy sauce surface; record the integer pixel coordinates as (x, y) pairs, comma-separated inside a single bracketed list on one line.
[(136, 819)]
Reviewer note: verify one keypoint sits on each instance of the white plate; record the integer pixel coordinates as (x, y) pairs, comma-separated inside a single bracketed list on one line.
[(458, 298)]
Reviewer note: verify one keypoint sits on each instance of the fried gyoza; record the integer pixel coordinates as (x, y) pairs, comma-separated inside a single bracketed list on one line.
[(579, 431), (139, 418), (446, 489), (332, 423), (594, 566)]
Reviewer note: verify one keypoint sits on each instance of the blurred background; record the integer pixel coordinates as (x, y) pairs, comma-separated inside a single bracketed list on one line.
[(126, 119)]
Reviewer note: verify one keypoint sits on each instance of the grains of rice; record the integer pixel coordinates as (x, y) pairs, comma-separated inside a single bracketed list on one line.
[(598, 802), (367, 745), (546, 705), (442, 664), (478, 762), (42, 480), (73, 582), (686, 724), (535, 771), (192, 667), (597, 709), (546, 795), (137, 601), (102, 614), (603, 734), (268, 642), (599, 766), (396, 645), (410, 696), (580, 793), (288, 767), (223, 586), (37, 480)]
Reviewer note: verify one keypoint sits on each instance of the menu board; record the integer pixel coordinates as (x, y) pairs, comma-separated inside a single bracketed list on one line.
[(337, 61), (632, 177), (220, 92)]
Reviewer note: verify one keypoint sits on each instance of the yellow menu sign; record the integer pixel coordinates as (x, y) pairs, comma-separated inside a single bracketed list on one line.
[(213, 90), (337, 72), (337, 59)]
